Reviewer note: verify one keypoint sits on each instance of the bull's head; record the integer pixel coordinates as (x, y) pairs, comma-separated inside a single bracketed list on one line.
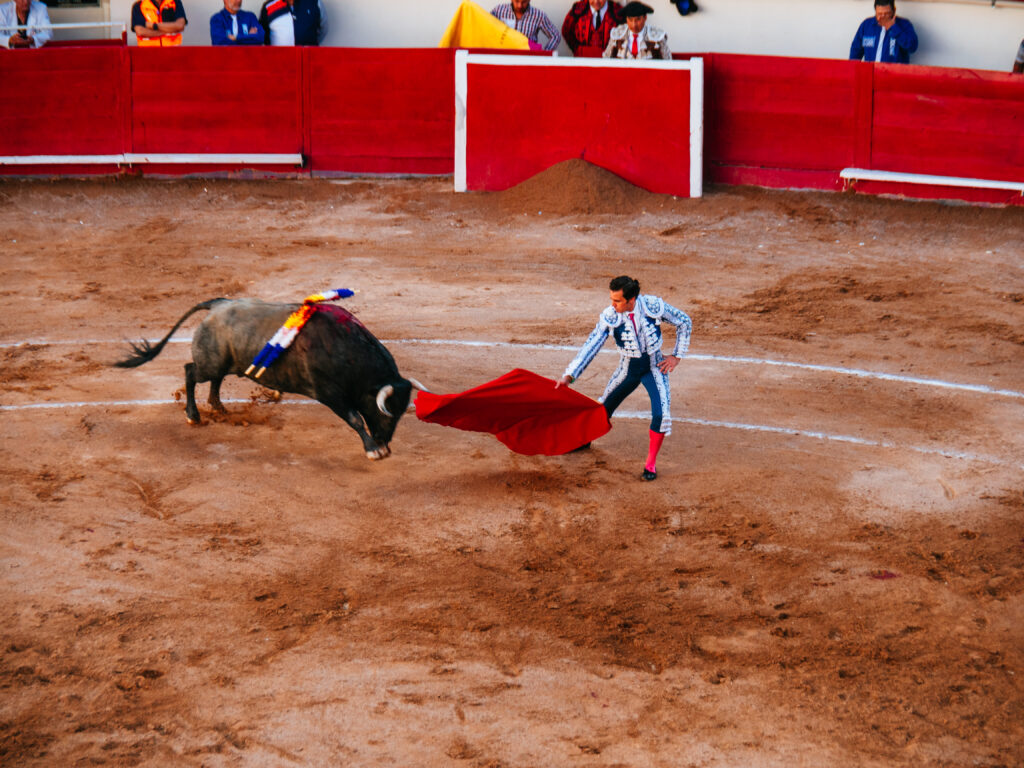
[(390, 403)]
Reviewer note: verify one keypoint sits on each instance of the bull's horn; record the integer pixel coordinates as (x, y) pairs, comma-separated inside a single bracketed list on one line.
[(382, 396), (418, 386)]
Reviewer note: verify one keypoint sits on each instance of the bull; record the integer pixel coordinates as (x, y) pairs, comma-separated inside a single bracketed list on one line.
[(334, 360)]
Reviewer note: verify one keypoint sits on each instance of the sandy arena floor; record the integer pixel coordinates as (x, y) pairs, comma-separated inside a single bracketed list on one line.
[(828, 571)]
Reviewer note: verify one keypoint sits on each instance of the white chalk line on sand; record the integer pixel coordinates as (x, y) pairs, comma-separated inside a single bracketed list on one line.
[(856, 372), (790, 431)]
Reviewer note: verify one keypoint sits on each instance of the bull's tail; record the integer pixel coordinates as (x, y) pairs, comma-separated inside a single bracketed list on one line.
[(143, 352)]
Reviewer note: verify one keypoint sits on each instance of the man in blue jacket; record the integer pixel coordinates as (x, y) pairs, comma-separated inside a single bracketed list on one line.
[(884, 38), (233, 26)]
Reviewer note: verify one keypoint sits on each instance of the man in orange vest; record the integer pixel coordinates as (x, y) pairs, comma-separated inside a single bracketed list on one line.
[(158, 23)]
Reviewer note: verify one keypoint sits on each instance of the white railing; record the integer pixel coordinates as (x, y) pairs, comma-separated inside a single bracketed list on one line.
[(244, 159), (74, 25), (864, 174)]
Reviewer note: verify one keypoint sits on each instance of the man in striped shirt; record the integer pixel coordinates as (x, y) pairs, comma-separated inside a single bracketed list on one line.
[(520, 16)]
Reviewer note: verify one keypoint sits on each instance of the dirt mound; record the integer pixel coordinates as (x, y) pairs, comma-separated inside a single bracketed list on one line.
[(572, 187)]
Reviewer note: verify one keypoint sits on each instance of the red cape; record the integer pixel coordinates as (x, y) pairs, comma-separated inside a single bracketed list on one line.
[(523, 410)]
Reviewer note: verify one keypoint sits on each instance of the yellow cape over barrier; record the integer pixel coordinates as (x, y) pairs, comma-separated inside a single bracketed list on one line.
[(473, 27)]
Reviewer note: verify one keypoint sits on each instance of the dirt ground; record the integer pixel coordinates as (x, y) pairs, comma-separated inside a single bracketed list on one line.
[(827, 571)]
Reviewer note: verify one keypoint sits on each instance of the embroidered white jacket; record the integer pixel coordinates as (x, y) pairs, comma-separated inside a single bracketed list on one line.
[(649, 312), (652, 44)]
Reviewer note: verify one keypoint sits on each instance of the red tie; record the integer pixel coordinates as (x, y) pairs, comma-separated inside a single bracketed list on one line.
[(634, 56), (635, 331)]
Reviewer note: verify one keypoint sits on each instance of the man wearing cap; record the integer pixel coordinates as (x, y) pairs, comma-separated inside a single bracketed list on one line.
[(636, 39), (634, 321), (590, 23)]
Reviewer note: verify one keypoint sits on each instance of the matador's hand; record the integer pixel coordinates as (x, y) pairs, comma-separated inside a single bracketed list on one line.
[(668, 364)]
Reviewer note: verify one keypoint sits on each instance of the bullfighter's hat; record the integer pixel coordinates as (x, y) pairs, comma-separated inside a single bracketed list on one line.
[(634, 8)]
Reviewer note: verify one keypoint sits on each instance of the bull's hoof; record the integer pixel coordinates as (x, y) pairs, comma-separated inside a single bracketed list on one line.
[(194, 422), (380, 453)]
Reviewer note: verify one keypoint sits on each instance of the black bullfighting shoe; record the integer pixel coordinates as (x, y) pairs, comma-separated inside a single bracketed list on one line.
[(649, 475)]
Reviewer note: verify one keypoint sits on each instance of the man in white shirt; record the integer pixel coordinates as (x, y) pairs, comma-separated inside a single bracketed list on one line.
[(294, 22), (30, 13), (636, 39)]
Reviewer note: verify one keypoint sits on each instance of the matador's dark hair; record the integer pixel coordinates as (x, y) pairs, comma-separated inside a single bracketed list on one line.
[(885, 2), (630, 288)]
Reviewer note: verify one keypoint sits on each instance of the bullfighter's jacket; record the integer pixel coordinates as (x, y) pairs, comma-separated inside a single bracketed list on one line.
[(649, 313), (653, 44)]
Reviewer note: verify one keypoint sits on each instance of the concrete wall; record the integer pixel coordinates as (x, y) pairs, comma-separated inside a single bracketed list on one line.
[(955, 33)]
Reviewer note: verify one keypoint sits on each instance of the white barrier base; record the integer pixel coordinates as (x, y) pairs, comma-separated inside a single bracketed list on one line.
[(864, 174), (154, 158)]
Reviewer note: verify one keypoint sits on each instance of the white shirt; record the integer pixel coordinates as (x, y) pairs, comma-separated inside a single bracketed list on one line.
[(37, 14), (637, 324), (638, 38), (282, 30), (881, 42), (596, 17)]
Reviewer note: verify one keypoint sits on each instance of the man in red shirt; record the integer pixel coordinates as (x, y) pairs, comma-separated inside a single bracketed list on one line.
[(590, 22)]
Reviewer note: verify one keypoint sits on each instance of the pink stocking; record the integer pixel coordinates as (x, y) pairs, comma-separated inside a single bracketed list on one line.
[(657, 438)]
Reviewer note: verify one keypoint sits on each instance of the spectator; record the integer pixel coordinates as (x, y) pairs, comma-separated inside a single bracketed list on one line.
[(636, 39), (1018, 64), (24, 13), (158, 23), (590, 22), (521, 17), (233, 26), (294, 22), (886, 37)]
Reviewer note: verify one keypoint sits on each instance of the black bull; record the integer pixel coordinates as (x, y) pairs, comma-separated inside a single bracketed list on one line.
[(334, 360)]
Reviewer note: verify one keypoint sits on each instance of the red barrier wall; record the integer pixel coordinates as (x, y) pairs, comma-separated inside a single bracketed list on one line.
[(63, 102), (381, 111), (578, 112), (770, 121), (784, 122), (948, 122), (218, 100)]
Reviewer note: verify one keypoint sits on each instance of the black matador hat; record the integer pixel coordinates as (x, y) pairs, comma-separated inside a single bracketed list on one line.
[(634, 9)]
